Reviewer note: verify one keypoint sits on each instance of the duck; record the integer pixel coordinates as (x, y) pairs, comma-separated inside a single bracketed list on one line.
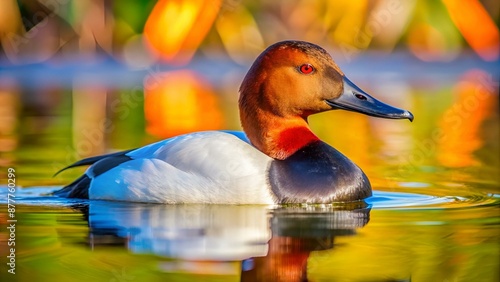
[(277, 159)]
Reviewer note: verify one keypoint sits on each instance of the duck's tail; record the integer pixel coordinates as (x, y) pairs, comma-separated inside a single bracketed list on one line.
[(77, 189)]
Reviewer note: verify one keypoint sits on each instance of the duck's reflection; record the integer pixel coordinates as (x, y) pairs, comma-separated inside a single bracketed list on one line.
[(296, 232), (272, 244)]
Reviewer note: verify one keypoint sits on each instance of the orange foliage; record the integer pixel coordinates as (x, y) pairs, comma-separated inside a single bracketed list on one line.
[(175, 28), (476, 26)]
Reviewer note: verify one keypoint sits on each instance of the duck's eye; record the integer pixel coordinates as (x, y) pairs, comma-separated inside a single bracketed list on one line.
[(306, 68)]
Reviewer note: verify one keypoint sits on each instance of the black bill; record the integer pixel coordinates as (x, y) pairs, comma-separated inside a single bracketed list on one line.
[(356, 100)]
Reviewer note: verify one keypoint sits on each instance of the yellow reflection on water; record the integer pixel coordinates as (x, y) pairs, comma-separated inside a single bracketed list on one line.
[(426, 245)]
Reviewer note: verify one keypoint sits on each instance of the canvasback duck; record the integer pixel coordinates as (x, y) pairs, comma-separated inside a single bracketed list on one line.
[(278, 159)]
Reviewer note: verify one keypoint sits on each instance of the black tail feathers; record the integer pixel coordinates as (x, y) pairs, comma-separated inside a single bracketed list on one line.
[(77, 189)]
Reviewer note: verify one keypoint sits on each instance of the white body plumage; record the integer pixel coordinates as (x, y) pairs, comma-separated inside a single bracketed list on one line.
[(204, 167)]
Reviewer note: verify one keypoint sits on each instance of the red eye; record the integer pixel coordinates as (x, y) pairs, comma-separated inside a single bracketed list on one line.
[(306, 68)]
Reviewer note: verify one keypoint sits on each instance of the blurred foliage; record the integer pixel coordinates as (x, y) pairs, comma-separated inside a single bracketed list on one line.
[(431, 30)]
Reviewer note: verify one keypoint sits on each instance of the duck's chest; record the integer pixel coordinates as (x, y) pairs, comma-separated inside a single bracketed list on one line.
[(317, 173)]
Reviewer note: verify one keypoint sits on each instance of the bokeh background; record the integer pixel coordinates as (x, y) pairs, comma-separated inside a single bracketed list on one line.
[(80, 78), (85, 77)]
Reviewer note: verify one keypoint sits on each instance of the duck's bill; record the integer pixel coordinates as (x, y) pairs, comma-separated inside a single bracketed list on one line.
[(356, 100)]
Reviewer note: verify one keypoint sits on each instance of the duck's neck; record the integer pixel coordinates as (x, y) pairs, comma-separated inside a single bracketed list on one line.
[(278, 137)]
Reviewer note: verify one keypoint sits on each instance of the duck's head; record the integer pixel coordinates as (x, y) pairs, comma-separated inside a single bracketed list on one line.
[(288, 82)]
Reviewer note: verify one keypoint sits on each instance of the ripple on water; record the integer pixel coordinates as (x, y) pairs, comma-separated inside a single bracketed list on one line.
[(40, 196), (398, 200), (391, 200)]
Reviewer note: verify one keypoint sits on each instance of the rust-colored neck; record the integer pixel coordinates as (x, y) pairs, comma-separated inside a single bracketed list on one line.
[(278, 137)]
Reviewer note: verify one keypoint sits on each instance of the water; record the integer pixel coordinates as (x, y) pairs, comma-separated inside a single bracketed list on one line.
[(434, 215), (393, 237)]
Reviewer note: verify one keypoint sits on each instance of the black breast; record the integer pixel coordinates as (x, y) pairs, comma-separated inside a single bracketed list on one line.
[(318, 173)]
